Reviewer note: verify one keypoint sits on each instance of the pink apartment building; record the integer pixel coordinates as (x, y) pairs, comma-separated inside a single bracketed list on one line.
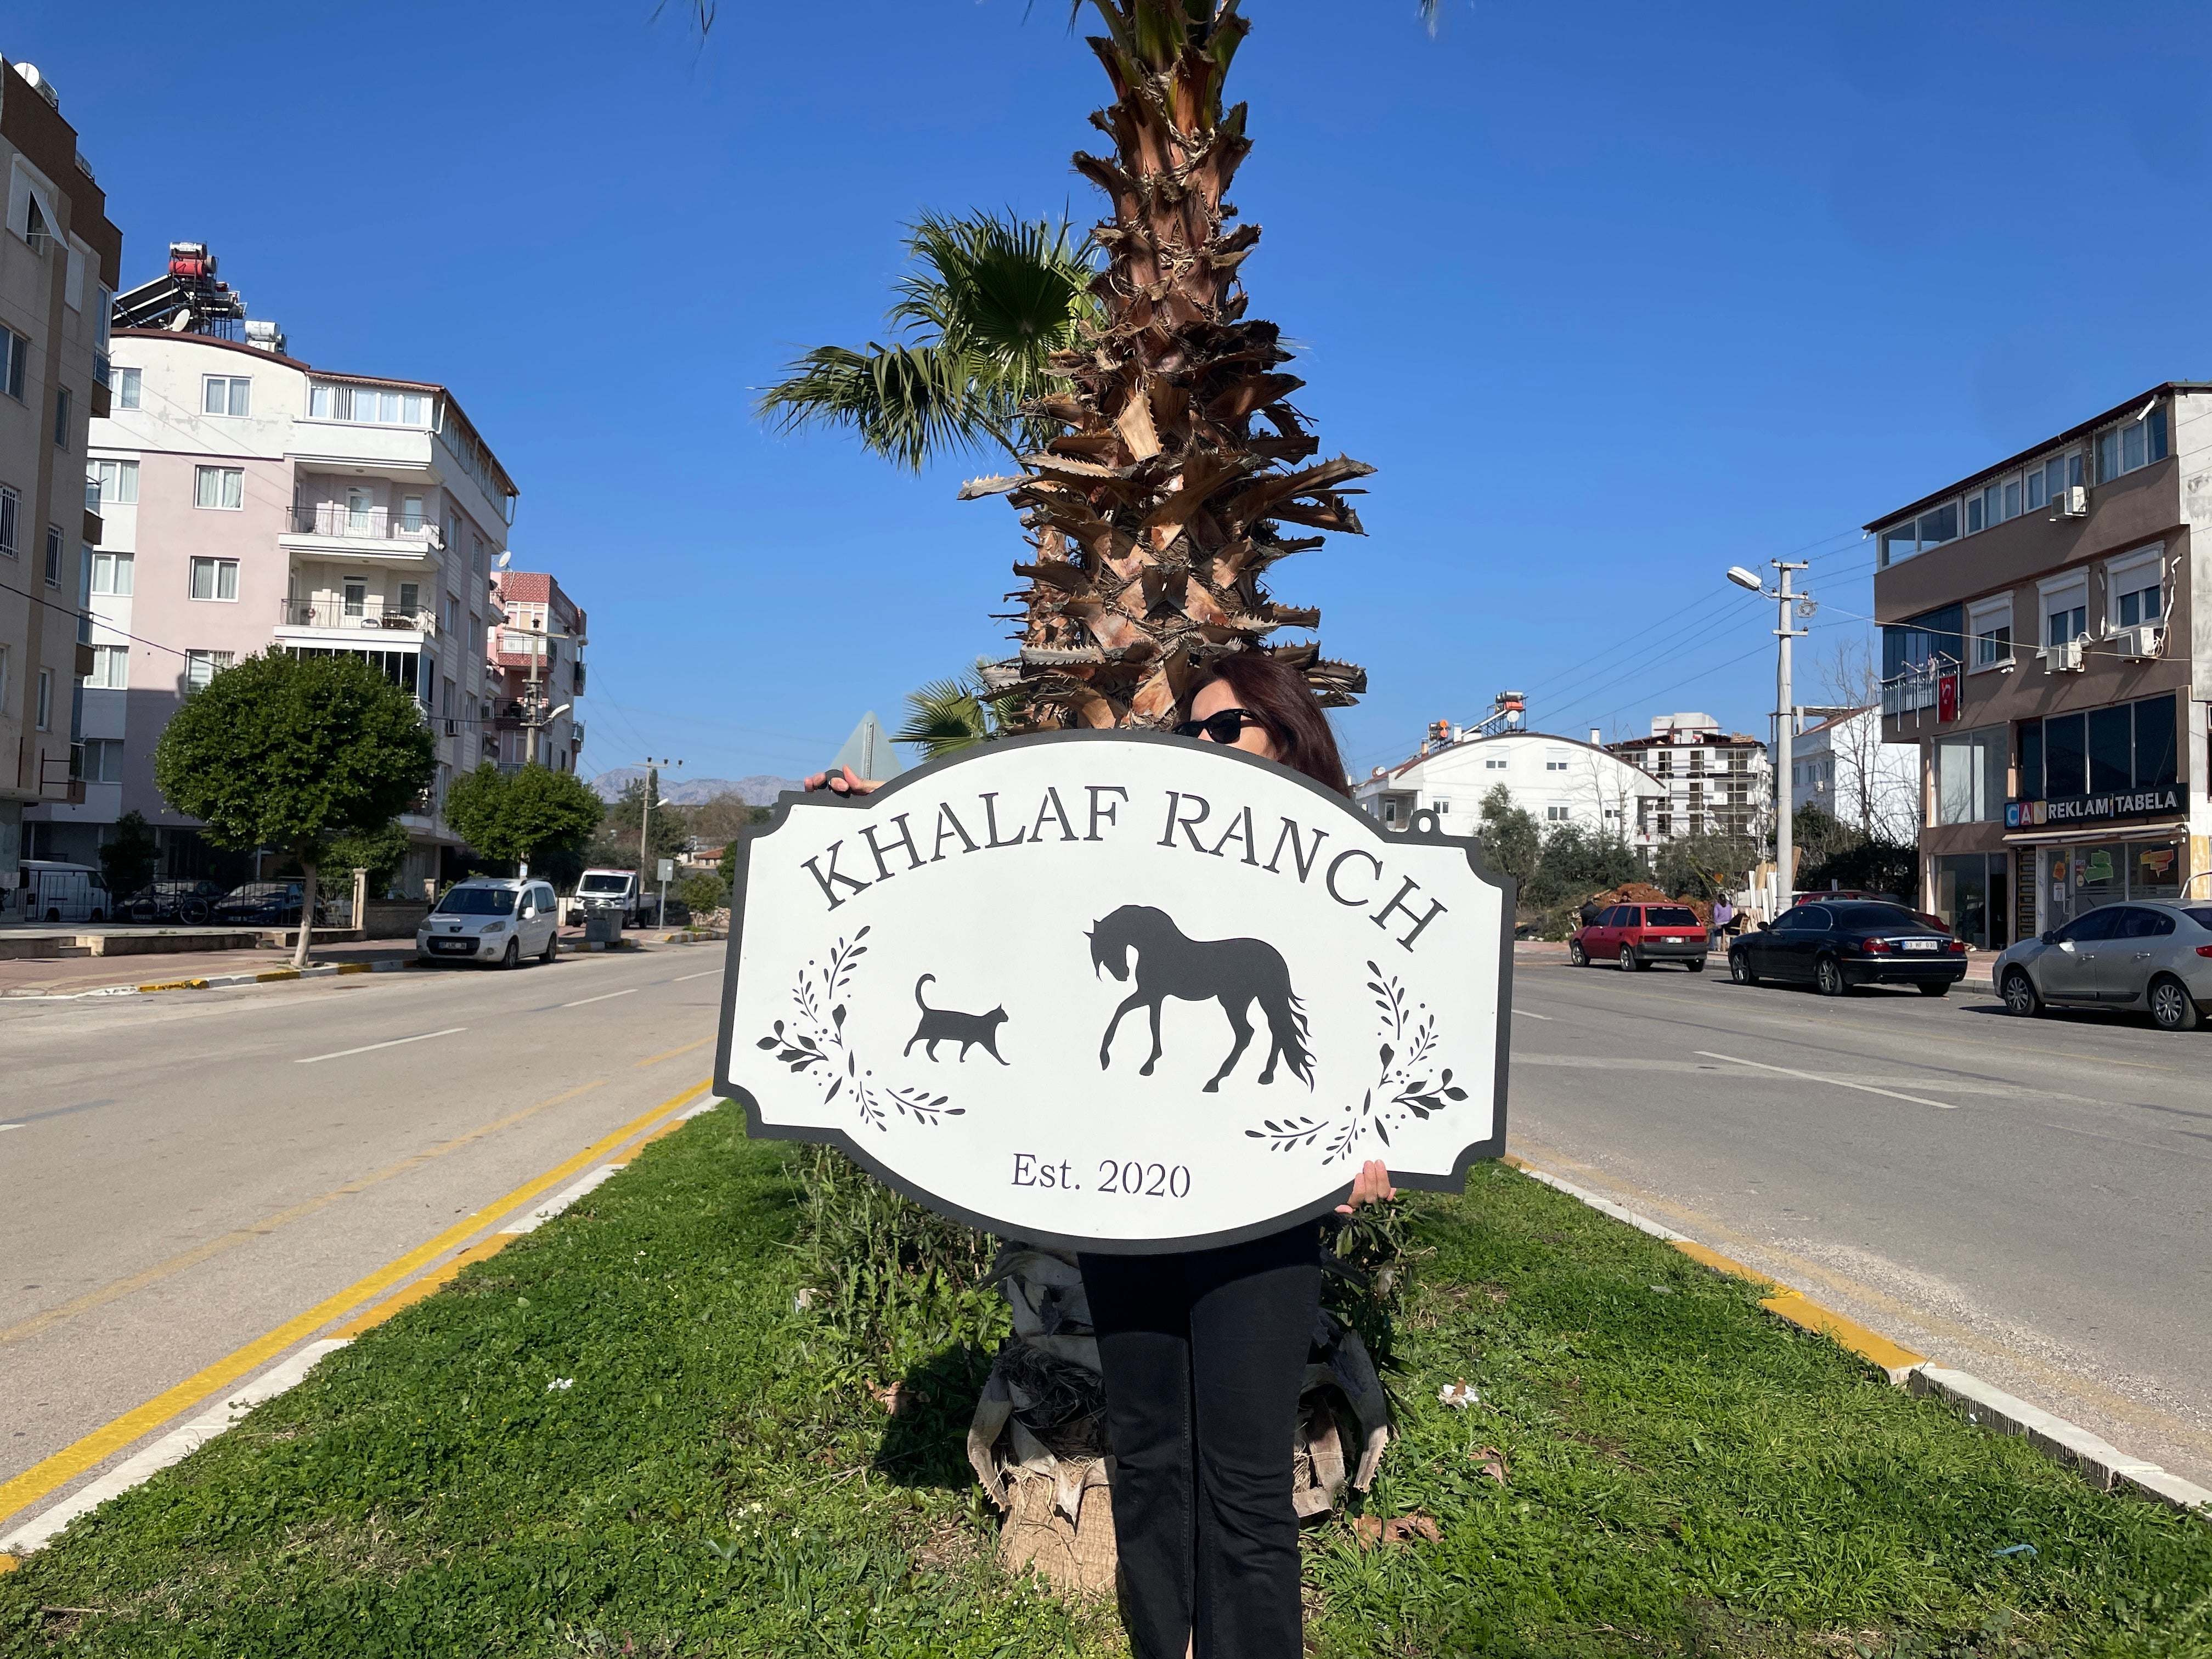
[(251, 500), (536, 667)]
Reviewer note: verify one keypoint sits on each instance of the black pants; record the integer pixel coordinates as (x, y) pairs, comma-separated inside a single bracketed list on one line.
[(1203, 1354)]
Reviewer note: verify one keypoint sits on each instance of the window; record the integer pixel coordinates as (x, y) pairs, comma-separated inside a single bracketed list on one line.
[(476, 555), (1988, 627), (371, 404), (61, 417), (219, 486), (357, 597), (1493, 762), (127, 388), (2135, 589), (361, 508), (201, 666), (1555, 814), (410, 513), (1970, 776), (53, 556), (1555, 760), (1919, 641), (2131, 745), (46, 699), (223, 394), (113, 573), (117, 482), (2125, 448), (11, 515), (2065, 609), (1933, 528), (103, 761), (215, 579), (111, 667), (452, 617), (15, 360), (411, 598)]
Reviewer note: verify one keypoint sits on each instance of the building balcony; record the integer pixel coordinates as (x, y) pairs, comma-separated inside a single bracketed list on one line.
[(349, 616), (375, 532)]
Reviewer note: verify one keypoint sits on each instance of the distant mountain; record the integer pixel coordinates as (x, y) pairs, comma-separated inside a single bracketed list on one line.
[(756, 791)]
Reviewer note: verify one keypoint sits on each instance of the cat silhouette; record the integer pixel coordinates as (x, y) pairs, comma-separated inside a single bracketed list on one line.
[(950, 1025)]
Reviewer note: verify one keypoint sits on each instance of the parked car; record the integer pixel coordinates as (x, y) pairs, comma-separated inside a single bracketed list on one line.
[(1835, 946), (266, 904), (619, 890), (1638, 935), (53, 891), (487, 918), (2154, 957), (188, 902)]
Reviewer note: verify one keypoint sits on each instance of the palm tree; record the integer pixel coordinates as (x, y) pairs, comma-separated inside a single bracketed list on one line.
[(991, 299), (945, 716)]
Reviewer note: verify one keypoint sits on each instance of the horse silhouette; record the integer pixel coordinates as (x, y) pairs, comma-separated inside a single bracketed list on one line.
[(1235, 972)]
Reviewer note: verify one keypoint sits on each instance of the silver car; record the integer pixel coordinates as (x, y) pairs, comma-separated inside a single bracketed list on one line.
[(2139, 955)]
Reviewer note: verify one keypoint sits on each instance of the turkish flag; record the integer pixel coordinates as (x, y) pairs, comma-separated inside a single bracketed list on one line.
[(1947, 698)]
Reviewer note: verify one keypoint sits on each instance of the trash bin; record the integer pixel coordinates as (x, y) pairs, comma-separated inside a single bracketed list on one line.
[(603, 927)]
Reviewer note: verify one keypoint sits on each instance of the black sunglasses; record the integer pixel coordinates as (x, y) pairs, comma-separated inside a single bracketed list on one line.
[(1222, 728)]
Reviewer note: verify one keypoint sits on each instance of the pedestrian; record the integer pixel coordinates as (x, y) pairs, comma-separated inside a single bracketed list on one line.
[(1723, 914), (1203, 1353)]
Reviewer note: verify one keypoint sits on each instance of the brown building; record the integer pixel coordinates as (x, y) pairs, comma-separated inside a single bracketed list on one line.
[(59, 262), (2041, 645)]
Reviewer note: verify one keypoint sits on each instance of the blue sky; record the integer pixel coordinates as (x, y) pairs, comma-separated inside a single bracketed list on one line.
[(1614, 296)]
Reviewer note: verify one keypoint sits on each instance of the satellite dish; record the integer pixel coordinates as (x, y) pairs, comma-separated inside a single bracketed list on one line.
[(505, 556)]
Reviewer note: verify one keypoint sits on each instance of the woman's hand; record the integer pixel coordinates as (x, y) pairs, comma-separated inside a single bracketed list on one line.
[(1372, 1186), (843, 783)]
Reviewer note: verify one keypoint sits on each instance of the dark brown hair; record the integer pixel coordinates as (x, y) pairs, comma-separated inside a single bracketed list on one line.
[(1281, 700)]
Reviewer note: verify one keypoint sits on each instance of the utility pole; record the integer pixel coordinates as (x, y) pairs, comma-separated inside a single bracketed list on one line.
[(645, 817), (1784, 862)]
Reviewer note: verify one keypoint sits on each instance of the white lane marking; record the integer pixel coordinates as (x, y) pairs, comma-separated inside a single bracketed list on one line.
[(1525, 1014), (365, 1048), (4, 1127), (580, 1001), (680, 978), (1814, 1076)]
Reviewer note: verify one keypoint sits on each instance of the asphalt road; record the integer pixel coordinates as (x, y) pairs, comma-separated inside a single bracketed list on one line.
[(2029, 1201), (184, 1172)]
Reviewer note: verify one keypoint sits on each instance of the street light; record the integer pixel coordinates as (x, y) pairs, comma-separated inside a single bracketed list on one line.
[(1784, 859)]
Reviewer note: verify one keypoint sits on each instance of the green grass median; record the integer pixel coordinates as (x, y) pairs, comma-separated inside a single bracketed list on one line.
[(623, 1434)]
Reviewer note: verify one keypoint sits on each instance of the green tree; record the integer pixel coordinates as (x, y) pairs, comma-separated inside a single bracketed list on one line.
[(381, 852), (729, 866), (515, 818), (702, 891), (130, 858), (615, 846), (1511, 839), (290, 752), (1579, 860), (1702, 866)]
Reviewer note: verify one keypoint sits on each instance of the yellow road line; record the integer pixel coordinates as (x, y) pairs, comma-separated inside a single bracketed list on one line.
[(269, 1223), (672, 1053), (42, 1477)]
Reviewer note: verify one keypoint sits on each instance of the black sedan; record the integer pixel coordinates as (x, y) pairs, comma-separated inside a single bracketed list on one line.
[(1834, 946), (266, 904)]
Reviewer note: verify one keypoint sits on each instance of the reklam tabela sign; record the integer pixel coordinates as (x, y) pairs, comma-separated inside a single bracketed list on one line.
[(2111, 806), (1118, 991)]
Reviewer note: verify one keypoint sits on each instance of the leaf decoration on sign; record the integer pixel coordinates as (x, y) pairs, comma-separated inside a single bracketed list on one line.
[(1405, 1088), (817, 1038)]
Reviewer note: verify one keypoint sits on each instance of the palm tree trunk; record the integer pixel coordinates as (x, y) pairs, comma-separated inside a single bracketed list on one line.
[(1157, 514)]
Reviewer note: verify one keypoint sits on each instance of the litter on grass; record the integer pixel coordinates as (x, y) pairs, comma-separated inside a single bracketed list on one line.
[(560, 1383), (2013, 1549), (1459, 1394)]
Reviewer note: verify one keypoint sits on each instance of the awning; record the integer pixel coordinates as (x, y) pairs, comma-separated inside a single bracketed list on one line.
[(2171, 831)]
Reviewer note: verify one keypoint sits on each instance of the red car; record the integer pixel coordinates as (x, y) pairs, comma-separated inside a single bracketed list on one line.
[(1637, 935)]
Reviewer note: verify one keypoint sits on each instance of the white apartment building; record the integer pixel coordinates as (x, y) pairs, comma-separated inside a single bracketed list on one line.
[(1841, 764), (1554, 780), (59, 259), (1712, 781), (252, 500)]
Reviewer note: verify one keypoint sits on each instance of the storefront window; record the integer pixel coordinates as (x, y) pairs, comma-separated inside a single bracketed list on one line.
[(2080, 879), (2110, 750), (2154, 873), (1971, 889)]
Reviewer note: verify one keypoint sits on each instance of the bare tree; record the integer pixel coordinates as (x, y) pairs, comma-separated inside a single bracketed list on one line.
[(1875, 790)]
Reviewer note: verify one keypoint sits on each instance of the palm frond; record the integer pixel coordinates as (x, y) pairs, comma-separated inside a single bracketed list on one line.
[(945, 716), (907, 404)]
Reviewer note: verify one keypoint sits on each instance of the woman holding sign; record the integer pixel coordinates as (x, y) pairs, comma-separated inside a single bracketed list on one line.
[(1203, 1353)]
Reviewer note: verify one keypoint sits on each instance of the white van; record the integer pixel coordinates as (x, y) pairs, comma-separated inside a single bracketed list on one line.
[(490, 918), (54, 891)]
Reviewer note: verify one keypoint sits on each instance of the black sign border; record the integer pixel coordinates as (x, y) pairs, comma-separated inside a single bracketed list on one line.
[(1429, 836)]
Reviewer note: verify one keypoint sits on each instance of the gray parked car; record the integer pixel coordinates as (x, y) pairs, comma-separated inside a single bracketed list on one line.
[(2147, 955)]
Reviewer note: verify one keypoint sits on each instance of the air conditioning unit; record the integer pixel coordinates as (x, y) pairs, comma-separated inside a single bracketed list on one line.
[(2140, 644), (2068, 658), (2072, 502)]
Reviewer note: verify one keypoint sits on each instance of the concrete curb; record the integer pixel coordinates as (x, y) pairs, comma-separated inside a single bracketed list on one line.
[(2103, 1465), (175, 1446), (266, 976)]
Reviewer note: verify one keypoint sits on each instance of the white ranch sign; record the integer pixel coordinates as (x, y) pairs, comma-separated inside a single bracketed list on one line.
[(1118, 991)]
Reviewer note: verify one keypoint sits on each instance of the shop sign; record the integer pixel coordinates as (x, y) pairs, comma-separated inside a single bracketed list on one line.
[(2095, 809), (1118, 991)]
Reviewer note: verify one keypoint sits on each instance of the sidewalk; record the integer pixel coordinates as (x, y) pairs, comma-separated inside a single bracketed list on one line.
[(50, 976)]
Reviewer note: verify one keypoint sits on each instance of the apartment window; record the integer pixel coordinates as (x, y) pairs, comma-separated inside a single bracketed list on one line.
[(215, 579), (410, 513), (226, 394), (114, 573), (127, 388), (361, 508), (1493, 762), (45, 709), (1933, 528), (1555, 760), (110, 665), (201, 666), (103, 760), (1988, 627), (1555, 815), (2135, 589), (476, 637), (117, 482), (356, 597), (1970, 776), (2065, 609), (452, 617), (476, 555), (11, 518), (61, 417), (2125, 448), (219, 486), (370, 404), (2130, 745), (15, 362), (410, 598), (53, 556)]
